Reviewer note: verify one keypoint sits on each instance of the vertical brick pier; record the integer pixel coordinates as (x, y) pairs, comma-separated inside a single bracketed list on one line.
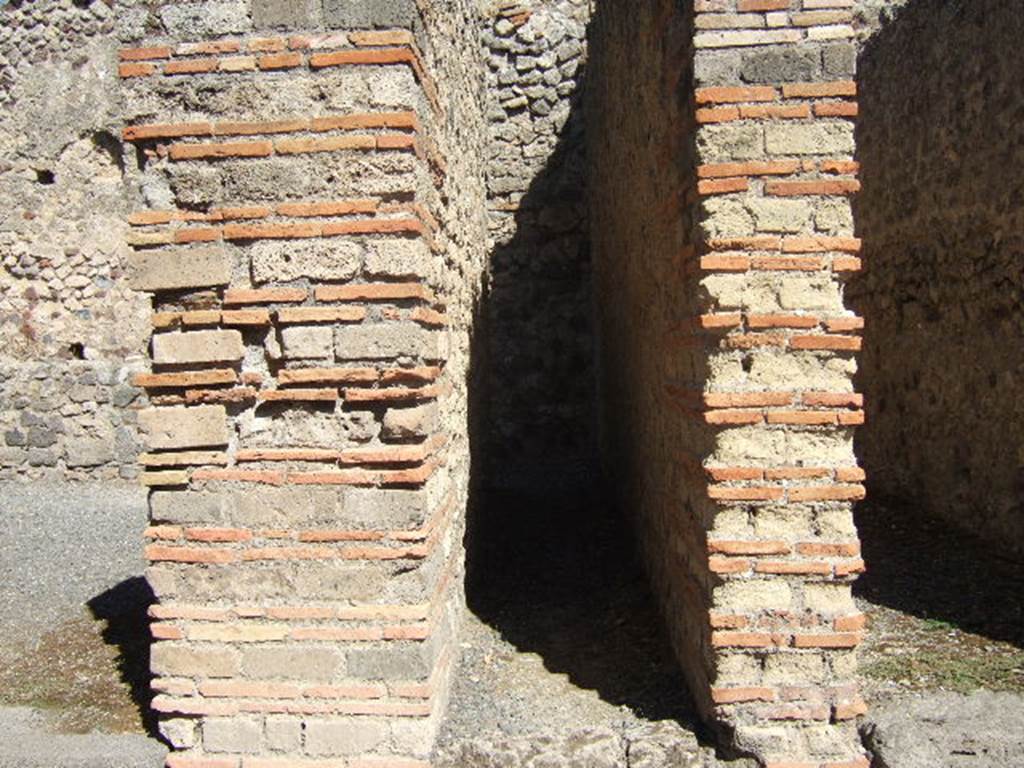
[(305, 545), (722, 141)]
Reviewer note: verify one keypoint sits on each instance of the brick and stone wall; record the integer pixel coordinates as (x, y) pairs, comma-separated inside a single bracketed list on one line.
[(72, 333), (721, 155), (291, 261), (942, 288), (313, 243)]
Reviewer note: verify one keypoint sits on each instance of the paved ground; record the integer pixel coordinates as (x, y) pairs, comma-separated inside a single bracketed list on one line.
[(73, 647)]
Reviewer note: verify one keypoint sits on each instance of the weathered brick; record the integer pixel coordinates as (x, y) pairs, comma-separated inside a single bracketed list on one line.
[(407, 423), (235, 734), (319, 260), (190, 66), (729, 39), (284, 734), (222, 150), (344, 737), (388, 664), (168, 658), (307, 342), (292, 663), (812, 139)]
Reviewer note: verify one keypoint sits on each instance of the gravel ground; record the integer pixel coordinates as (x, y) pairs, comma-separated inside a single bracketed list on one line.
[(946, 610), (63, 546), (74, 647), (30, 742)]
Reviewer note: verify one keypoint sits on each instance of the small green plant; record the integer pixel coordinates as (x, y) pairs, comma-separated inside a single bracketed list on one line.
[(938, 625)]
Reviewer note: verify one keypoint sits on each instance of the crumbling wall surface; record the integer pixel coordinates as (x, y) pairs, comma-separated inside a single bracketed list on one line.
[(722, 168), (537, 329), (310, 226), (71, 330), (941, 293)]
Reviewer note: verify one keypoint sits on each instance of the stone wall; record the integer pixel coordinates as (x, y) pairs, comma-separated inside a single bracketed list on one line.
[(537, 324), (942, 289), (71, 331), (721, 154), (313, 240)]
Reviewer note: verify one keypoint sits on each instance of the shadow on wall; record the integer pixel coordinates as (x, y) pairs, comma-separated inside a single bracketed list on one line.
[(550, 565), (941, 215)]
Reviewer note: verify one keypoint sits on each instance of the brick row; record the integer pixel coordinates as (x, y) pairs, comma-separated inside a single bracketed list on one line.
[(258, 633), (352, 476), (781, 494), (347, 376), (285, 147), (301, 395), (223, 555), (279, 231), (731, 321), (201, 706), (821, 342), (732, 401), (767, 93), (741, 262), (219, 688), (798, 111), (315, 208), (830, 641), (304, 612)]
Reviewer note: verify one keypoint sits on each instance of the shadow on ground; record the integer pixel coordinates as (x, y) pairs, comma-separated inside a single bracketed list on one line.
[(924, 567), (90, 672), (556, 575), (124, 608)]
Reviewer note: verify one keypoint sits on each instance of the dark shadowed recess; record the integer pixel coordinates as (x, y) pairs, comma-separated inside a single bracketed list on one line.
[(550, 564)]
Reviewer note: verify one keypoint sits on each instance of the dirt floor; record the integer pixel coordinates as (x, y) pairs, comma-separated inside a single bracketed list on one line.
[(91, 672), (947, 612)]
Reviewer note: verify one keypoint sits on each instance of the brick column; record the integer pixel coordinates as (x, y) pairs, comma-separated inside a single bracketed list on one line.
[(306, 531), (721, 150), (775, 103)]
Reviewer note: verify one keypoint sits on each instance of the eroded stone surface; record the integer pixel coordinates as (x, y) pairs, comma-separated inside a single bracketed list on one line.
[(981, 730)]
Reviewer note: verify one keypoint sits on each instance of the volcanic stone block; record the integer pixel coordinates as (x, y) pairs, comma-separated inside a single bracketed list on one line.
[(183, 427), (170, 269), (198, 347)]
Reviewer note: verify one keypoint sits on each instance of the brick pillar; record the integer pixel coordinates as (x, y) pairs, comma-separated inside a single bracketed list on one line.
[(306, 531), (721, 149), (775, 104)]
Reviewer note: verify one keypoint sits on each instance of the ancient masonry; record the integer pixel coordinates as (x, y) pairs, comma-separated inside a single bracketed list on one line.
[(305, 446), (324, 194), (723, 228)]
